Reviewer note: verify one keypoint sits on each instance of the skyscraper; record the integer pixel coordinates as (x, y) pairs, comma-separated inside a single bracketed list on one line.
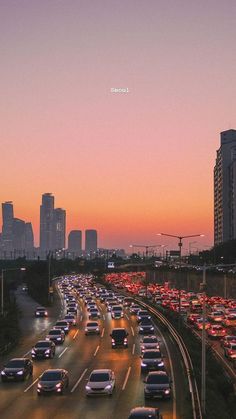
[(29, 237), (7, 226), (46, 222), (225, 189), (59, 228), (75, 242), (18, 234), (90, 241)]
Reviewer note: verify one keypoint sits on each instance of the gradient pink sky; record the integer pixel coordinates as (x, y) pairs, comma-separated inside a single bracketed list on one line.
[(132, 164)]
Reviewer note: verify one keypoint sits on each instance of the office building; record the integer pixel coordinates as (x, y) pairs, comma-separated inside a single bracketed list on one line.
[(18, 230), (59, 228), (75, 242), (7, 226), (29, 237), (91, 242), (46, 222), (225, 189)]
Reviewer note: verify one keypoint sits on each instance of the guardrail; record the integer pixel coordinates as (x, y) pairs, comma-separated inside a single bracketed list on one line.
[(193, 389)]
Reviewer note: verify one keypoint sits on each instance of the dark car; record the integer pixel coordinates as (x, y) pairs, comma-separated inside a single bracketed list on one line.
[(53, 380), (146, 327), (56, 335), (119, 337), (43, 349), (41, 312), (145, 413), (152, 359), (63, 325), (17, 369), (157, 384), (143, 315)]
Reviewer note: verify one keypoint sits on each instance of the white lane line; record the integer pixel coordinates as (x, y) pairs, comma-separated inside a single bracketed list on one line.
[(127, 317), (63, 352), (104, 317), (133, 349), (80, 379), (102, 334), (132, 330), (81, 318), (31, 385), (76, 333), (126, 378), (27, 353), (97, 349)]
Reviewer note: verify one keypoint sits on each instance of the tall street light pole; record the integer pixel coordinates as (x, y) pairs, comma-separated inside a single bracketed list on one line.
[(180, 244), (146, 247), (2, 285)]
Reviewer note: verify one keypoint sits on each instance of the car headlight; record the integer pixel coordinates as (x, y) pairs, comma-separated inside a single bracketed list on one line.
[(47, 351), (58, 338), (58, 385), (108, 387), (33, 352), (97, 329), (87, 387), (3, 373), (39, 385), (46, 313), (151, 328), (143, 364), (20, 372), (160, 364), (37, 313), (141, 328), (167, 391)]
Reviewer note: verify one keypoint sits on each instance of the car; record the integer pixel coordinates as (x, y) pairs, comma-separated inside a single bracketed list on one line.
[(71, 319), (92, 328), (216, 316), (143, 315), (151, 359), (119, 337), (43, 349), (134, 308), (94, 314), (230, 351), (149, 342), (117, 312), (227, 340), (229, 320), (157, 384), (63, 325), (216, 331), (100, 381), (146, 327), (72, 310), (145, 413), (53, 380), (17, 369), (41, 312), (56, 335), (192, 318), (199, 324)]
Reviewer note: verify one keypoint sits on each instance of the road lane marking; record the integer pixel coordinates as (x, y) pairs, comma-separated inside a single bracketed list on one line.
[(103, 330), (63, 352), (104, 317), (80, 379), (127, 317), (81, 318), (133, 349), (27, 353), (97, 349), (76, 333), (126, 378), (31, 385), (132, 330)]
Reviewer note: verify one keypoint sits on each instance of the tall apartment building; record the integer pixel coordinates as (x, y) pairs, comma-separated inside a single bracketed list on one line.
[(7, 226), (91, 241), (225, 189), (75, 242), (46, 222), (59, 229)]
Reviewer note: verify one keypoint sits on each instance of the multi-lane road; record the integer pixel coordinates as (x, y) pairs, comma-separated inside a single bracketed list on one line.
[(81, 354)]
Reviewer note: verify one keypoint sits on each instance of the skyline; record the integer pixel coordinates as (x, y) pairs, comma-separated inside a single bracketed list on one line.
[(131, 164)]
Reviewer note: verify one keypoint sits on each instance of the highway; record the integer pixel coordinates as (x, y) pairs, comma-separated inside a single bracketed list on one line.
[(79, 355)]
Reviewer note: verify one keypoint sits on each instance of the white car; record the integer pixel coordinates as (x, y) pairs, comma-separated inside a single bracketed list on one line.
[(149, 342), (92, 327), (100, 382)]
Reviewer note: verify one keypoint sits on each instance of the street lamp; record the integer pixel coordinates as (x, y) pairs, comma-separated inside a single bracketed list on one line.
[(2, 285), (180, 244), (147, 247)]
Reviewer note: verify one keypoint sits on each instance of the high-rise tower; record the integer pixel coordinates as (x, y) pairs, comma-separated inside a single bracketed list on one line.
[(46, 222), (90, 242), (59, 228)]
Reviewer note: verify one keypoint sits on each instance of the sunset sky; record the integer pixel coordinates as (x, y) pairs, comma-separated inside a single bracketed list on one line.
[(127, 164)]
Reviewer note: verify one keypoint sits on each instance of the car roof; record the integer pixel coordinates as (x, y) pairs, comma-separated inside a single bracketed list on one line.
[(101, 371), (18, 359), (118, 328), (142, 410), (157, 373)]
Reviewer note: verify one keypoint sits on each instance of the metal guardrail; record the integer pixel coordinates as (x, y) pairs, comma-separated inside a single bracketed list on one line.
[(193, 389)]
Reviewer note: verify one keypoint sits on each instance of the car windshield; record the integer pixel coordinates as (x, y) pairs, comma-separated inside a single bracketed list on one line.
[(51, 376), (40, 309), (157, 379), (42, 345), (118, 333), (61, 323), (94, 310), (17, 363), (98, 377), (55, 332), (69, 317), (152, 355), (150, 340), (117, 308), (233, 347), (92, 324), (146, 322)]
